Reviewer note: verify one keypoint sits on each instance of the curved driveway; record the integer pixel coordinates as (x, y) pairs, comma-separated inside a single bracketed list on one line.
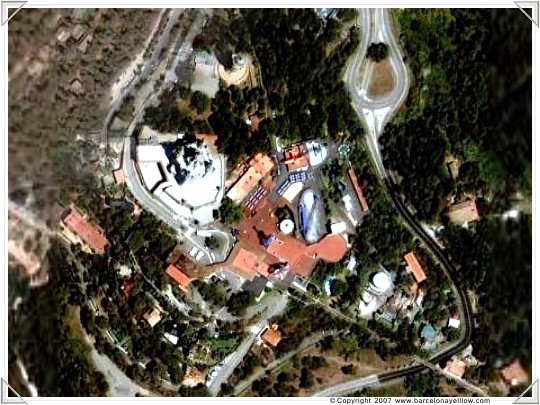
[(148, 201)]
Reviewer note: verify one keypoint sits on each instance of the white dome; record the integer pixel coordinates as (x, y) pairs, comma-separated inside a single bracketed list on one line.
[(381, 281), (286, 226)]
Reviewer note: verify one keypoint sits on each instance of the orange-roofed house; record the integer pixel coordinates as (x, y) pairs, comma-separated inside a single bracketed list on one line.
[(179, 276), (514, 374), (193, 377), (463, 212), (247, 262), (414, 267), (152, 316), (89, 234), (296, 158), (456, 367), (358, 190), (259, 167), (271, 336), (128, 284)]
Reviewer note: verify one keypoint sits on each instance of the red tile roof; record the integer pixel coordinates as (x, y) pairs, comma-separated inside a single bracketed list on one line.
[(415, 267), (128, 284), (300, 257), (296, 158), (456, 367), (463, 212), (179, 276), (259, 167), (358, 190), (332, 248), (515, 374), (90, 234), (246, 261), (272, 336)]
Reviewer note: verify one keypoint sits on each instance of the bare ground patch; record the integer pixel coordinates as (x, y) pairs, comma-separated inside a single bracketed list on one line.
[(381, 81)]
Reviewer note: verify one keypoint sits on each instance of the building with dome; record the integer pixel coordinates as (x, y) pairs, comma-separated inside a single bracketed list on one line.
[(381, 282)]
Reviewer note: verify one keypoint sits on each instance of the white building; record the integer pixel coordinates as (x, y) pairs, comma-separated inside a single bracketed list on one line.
[(338, 227), (317, 153), (381, 282), (454, 323), (347, 201), (190, 183)]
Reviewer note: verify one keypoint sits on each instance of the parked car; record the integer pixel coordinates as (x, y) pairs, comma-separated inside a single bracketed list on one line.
[(193, 251), (199, 255)]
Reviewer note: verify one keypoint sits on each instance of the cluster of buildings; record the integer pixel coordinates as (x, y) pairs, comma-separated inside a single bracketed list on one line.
[(511, 375), (391, 303), (381, 293), (304, 155), (281, 250), (258, 168), (78, 34)]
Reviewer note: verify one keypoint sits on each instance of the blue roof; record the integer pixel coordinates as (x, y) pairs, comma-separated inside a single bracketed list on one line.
[(429, 332)]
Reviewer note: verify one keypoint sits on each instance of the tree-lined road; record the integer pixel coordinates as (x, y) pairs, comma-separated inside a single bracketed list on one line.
[(148, 67), (148, 201), (375, 114), (307, 343), (232, 361)]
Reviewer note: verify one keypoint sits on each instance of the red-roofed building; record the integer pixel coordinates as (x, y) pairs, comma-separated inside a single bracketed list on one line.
[(414, 267), (514, 374), (27, 260), (456, 367), (247, 262), (272, 336), (358, 190), (301, 259), (259, 167), (332, 248), (296, 158), (179, 276), (463, 212), (128, 284), (89, 234)]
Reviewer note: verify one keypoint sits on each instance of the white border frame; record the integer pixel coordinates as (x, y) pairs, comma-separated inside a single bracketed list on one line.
[(242, 4)]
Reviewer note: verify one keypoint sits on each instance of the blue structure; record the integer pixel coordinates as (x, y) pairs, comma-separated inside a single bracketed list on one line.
[(429, 332), (304, 219), (327, 285), (268, 240)]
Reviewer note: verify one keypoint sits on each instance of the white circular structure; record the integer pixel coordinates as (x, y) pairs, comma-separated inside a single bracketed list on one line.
[(286, 226), (381, 281)]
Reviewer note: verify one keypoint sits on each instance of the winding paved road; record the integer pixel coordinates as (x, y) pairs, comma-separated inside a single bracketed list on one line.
[(375, 114), (148, 67), (307, 343), (132, 178), (232, 361)]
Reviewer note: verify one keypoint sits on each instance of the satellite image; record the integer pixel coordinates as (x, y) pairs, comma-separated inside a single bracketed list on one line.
[(269, 202)]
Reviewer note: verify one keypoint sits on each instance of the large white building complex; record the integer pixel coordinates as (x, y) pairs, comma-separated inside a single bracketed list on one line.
[(186, 176)]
